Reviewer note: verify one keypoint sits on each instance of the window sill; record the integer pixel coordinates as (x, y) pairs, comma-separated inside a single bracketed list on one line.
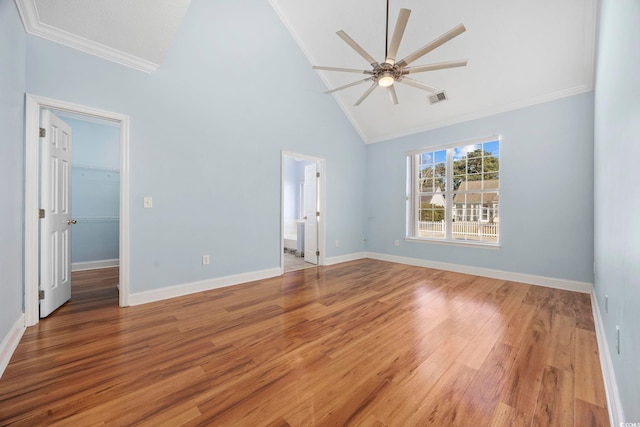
[(466, 244)]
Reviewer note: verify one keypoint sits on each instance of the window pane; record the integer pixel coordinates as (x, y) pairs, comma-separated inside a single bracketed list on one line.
[(492, 147), (474, 166), (426, 158), (426, 172), (490, 164), (474, 181), (460, 182), (491, 180), (431, 216), (464, 151), (440, 177), (426, 185), (474, 151)]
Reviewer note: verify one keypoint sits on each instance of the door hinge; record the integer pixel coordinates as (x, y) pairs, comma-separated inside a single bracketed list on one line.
[(43, 132), (41, 294), (317, 174), (40, 213), (317, 213), (317, 253)]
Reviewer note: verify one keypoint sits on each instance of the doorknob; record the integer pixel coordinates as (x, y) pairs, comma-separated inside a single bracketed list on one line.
[(72, 221), (305, 217)]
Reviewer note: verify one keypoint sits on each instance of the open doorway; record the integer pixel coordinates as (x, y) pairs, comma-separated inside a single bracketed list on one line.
[(302, 212), (95, 191), (95, 208), (35, 107)]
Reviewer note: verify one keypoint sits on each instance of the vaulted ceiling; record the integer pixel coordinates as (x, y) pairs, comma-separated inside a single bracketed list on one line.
[(520, 52)]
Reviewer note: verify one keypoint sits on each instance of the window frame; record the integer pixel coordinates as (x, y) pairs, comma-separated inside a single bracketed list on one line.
[(413, 195)]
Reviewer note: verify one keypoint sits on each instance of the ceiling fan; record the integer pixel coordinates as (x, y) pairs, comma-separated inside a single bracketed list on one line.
[(387, 73)]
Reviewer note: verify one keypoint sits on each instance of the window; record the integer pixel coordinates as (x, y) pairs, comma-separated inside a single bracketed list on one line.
[(453, 193)]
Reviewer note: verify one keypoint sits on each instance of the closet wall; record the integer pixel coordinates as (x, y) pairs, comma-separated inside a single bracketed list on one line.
[(95, 194)]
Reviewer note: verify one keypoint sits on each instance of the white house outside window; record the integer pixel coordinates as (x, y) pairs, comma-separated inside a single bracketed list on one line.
[(453, 193)]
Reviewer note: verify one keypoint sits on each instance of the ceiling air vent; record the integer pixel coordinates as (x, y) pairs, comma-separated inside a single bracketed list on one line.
[(438, 97)]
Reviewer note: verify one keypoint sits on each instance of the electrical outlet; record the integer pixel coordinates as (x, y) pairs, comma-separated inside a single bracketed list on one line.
[(205, 260), (148, 202), (396, 243), (337, 243)]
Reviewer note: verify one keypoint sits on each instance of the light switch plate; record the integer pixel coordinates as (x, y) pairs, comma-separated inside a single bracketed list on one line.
[(148, 202)]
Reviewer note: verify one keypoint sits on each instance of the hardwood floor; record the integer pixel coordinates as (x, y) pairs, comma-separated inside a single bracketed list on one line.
[(365, 343)]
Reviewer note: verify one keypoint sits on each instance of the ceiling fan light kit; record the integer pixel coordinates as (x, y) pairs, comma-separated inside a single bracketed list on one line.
[(387, 73), (386, 79)]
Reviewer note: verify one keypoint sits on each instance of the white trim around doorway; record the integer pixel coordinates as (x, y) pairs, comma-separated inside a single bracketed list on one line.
[(322, 241), (32, 152)]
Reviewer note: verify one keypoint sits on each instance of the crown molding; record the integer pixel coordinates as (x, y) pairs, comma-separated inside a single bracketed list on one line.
[(487, 112), (32, 25)]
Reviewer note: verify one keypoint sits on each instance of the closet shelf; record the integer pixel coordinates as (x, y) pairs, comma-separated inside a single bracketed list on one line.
[(96, 168), (96, 218)]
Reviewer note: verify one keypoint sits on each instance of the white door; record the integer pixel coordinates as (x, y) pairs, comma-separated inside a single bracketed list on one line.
[(310, 203), (55, 200)]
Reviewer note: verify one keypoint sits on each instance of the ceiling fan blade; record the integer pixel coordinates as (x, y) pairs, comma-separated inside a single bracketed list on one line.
[(349, 85), (454, 32), (415, 83), (367, 93), (355, 46), (398, 32), (392, 94), (346, 70), (432, 67)]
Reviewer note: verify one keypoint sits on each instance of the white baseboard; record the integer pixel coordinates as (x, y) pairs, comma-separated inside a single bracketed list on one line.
[(10, 343), (145, 297), (344, 258), (616, 414), (94, 265), (550, 282)]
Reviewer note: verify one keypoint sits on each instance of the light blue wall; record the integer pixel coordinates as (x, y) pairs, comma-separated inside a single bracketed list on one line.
[(12, 84), (207, 130), (291, 189), (95, 144), (617, 178), (95, 191), (546, 185)]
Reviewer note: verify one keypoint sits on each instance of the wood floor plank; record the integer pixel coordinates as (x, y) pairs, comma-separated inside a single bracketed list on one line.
[(555, 403), (439, 407), (518, 326), (507, 416), (589, 415), (481, 398), (589, 384), (562, 346), (523, 385), (367, 342)]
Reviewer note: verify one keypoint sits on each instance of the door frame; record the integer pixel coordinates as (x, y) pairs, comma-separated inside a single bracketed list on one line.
[(322, 198), (33, 106)]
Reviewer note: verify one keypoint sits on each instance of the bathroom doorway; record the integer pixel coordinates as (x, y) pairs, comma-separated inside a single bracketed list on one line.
[(302, 212)]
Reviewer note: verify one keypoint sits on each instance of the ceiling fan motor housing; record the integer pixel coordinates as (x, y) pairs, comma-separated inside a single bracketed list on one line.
[(384, 70)]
